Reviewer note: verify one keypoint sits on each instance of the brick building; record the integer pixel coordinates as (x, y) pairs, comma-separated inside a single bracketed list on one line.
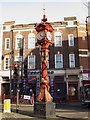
[(67, 54), (89, 10)]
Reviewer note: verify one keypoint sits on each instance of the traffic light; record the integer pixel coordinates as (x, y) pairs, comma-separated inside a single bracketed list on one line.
[(16, 70)]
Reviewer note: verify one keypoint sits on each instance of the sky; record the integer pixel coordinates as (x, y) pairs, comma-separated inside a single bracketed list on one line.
[(28, 11), (31, 11)]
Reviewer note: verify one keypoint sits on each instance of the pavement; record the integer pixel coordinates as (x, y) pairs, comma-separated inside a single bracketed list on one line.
[(72, 111)]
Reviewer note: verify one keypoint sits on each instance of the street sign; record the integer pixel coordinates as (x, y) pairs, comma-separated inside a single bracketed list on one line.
[(27, 97)]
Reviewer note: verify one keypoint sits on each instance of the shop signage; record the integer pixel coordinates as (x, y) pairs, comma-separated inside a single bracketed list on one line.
[(24, 85), (39, 72), (27, 97)]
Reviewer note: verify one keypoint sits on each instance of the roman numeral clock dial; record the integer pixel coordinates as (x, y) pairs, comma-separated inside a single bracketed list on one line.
[(40, 35)]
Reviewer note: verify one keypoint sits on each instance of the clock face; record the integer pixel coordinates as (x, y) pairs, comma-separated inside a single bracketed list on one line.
[(40, 35), (49, 36)]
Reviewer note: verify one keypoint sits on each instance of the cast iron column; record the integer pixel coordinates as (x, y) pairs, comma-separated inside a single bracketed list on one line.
[(44, 107)]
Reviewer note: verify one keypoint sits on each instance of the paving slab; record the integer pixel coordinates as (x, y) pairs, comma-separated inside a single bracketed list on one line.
[(63, 112)]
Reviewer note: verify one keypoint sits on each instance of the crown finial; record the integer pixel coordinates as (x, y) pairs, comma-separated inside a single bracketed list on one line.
[(44, 16)]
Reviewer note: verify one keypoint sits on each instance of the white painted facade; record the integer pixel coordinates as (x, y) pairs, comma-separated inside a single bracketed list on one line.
[(0, 80)]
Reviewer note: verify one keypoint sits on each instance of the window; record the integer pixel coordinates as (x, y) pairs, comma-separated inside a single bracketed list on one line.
[(85, 76), (7, 43), (58, 61), (6, 28), (72, 60), (83, 37), (70, 23), (18, 58), (31, 40), (58, 39), (71, 39), (31, 62), (6, 63), (18, 41)]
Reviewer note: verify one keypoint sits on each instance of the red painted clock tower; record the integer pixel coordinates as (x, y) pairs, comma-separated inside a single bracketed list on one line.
[(44, 107)]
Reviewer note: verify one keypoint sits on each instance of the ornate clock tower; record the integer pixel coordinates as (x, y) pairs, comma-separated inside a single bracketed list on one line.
[(44, 107)]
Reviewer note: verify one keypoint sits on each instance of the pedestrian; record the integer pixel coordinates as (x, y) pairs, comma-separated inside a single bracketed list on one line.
[(3, 98)]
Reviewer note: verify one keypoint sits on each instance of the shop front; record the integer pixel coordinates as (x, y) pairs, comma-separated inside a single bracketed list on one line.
[(33, 85), (5, 87), (60, 91)]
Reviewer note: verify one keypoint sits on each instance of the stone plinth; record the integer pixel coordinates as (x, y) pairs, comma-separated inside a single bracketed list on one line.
[(44, 109)]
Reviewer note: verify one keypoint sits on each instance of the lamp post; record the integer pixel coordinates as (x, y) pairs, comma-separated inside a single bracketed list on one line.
[(22, 58), (16, 77), (11, 64), (44, 107)]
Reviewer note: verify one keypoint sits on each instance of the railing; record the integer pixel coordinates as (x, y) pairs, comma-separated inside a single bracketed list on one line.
[(22, 100)]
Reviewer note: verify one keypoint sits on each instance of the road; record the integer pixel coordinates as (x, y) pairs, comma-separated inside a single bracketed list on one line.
[(70, 111)]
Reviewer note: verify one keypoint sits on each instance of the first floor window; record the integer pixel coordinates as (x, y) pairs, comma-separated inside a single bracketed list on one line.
[(19, 41), (31, 62), (58, 39), (71, 39), (6, 63), (31, 40), (58, 61), (72, 60)]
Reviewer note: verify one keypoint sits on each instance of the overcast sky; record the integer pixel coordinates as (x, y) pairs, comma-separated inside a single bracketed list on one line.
[(31, 11)]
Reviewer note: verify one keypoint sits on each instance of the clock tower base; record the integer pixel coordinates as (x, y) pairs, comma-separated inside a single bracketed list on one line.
[(44, 110)]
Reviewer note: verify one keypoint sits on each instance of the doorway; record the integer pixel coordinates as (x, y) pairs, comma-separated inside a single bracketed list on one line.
[(72, 91)]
